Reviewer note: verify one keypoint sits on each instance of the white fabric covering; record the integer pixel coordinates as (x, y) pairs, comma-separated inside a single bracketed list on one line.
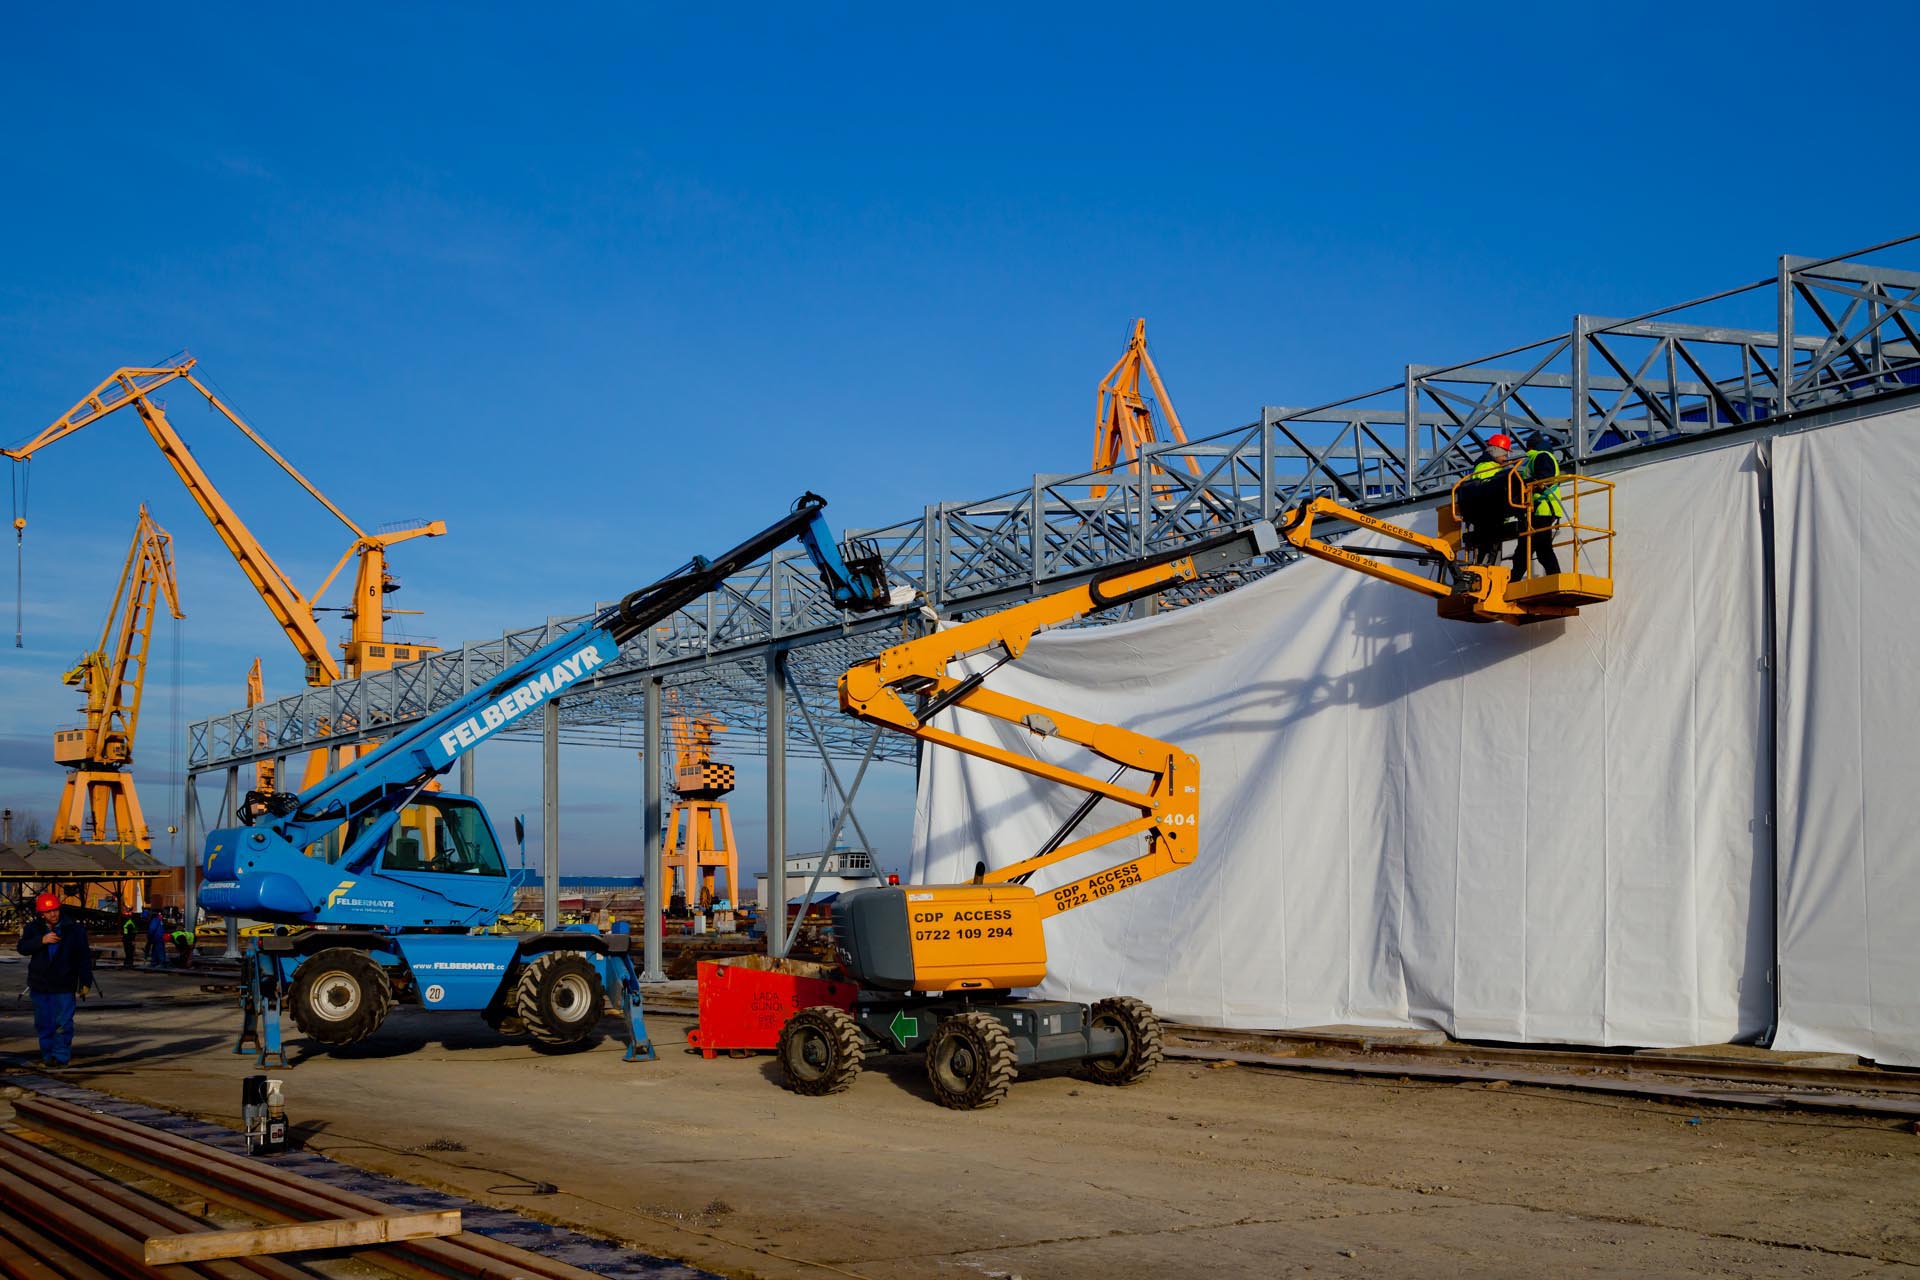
[(1847, 522), (1525, 834)]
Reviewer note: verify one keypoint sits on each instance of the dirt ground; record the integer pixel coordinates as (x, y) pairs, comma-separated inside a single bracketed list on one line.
[(1196, 1171)]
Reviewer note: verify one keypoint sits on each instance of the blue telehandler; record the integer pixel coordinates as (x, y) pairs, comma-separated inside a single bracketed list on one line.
[(395, 880)]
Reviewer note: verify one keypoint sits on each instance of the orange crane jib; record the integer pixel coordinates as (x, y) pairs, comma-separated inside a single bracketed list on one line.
[(365, 649)]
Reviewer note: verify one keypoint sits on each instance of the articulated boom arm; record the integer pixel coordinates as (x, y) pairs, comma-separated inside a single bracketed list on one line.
[(1487, 592), (380, 784), (1167, 801), (1297, 528)]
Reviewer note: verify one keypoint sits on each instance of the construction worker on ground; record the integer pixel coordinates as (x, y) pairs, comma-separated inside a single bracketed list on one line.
[(1539, 463), (129, 936), (1484, 505), (59, 972), (156, 941)]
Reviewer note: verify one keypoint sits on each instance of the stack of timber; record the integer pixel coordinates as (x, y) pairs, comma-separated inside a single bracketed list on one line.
[(62, 1219)]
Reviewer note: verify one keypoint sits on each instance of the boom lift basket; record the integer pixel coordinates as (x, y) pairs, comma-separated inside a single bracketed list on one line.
[(1583, 542)]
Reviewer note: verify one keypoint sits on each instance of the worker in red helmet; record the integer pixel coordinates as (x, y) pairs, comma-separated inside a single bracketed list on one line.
[(1484, 503), (59, 972)]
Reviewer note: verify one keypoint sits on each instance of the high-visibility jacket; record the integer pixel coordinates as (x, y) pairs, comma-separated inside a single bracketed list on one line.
[(1546, 501), (1485, 470)]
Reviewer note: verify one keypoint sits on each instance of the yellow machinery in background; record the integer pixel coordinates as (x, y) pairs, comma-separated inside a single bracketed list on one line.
[(1123, 422), (937, 964), (366, 648), (263, 772), (1482, 515), (98, 804), (700, 852)]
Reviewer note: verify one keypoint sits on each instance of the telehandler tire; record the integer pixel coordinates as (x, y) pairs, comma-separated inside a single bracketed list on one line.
[(1140, 1027), (970, 1061), (821, 1050), (340, 996), (558, 998), (501, 1017)]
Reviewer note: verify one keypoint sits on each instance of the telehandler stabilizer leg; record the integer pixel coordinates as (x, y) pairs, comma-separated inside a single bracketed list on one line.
[(639, 1045), (261, 986)]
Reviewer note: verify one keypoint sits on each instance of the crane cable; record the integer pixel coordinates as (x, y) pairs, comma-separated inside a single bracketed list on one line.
[(20, 478), (176, 780)]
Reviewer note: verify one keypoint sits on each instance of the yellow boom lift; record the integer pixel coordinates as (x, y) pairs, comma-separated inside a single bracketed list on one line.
[(365, 649), (937, 964), (98, 804)]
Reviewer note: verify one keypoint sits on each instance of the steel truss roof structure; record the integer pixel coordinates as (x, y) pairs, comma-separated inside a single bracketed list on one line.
[(1818, 333)]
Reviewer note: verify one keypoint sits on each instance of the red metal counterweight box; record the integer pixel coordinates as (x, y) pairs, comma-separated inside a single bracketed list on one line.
[(745, 1002)]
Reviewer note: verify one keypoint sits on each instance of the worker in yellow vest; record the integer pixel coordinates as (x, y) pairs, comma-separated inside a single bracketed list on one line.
[(1540, 463)]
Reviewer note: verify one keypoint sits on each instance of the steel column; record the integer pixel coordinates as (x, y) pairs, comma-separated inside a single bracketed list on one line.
[(190, 819), (652, 968), (1413, 432), (1578, 412), (550, 814), (466, 771), (1785, 352), (773, 910)]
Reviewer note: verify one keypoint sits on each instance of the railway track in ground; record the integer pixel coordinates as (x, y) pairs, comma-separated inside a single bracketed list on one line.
[(1681, 1078), (1740, 1076)]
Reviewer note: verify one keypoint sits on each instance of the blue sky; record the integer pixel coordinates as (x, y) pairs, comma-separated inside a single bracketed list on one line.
[(604, 286)]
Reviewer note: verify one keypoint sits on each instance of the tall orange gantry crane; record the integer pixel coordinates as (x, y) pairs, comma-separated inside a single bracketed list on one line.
[(1123, 422), (98, 804), (699, 846), (365, 649)]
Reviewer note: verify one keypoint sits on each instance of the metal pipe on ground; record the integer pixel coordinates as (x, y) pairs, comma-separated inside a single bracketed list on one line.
[(101, 1242), (35, 1256), (268, 1192), (91, 1190)]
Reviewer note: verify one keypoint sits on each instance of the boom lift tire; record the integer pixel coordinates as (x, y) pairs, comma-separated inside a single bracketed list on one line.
[(821, 1050), (559, 998), (970, 1061), (340, 996), (1138, 1023)]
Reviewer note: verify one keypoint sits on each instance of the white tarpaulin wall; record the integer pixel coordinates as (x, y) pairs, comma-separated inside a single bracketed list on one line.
[(1847, 516), (1534, 834)]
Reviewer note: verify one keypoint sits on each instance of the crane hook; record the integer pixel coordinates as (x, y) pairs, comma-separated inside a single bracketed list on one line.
[(20, 477)]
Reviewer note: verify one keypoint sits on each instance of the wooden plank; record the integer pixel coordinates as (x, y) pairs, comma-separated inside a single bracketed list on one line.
[(328, 1233)]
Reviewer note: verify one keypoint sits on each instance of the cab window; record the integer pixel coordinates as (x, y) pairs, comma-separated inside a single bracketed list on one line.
[(444, 837)]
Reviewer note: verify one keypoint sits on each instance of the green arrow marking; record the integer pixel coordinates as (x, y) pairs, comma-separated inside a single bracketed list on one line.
[(904, 1028)]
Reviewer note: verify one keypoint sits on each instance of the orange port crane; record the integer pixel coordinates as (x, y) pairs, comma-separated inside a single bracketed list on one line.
[(263, 772), (365, 649), (700, 849), (98, 804), (1123, 422)]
